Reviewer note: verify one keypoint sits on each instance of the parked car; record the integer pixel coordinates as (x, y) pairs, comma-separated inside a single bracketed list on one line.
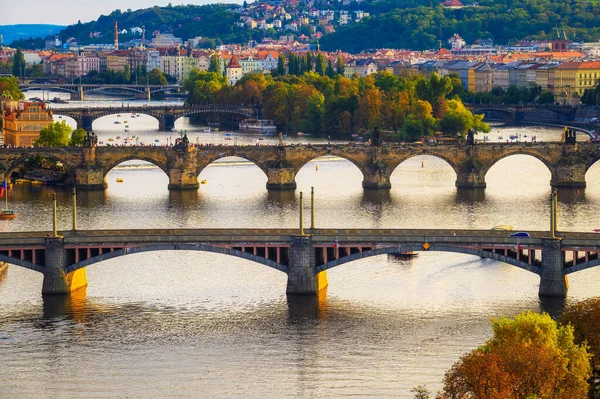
[(520, 234)]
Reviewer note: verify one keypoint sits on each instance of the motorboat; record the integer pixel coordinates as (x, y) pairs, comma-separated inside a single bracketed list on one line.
[(118, 137), (6, 214), (117, 123), (119, 180)]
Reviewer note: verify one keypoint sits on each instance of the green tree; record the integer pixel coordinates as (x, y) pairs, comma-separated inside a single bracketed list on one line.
[(458, 120), (340, 66), (546, 97), (77, 137), (57, 134), (127, 74), (9, 88), (19, 66), (330, 71), (156, 77), (281, 64), (320, 64), (529, 356), (215, 64)]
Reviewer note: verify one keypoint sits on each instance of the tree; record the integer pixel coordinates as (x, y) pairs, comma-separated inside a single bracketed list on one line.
[(281, 64), (77, 137), (421, 392), (584, 316), (57, 134), (320, 64), (19, 66), (330, 71), (547, 97), (156, 77), (458, 120), (340, 66), (215, 64), (529, 356), (127, 74), (9, 88)]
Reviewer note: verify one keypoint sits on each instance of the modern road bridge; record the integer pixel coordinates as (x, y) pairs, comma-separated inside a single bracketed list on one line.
[(166, 115), (78, 91), (63, 256)]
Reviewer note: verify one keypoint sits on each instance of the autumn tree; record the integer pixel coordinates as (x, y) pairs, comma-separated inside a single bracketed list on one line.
[(281, 64), (584, 316), (529, 356), (58, 134), (368, 114), (395, 108)]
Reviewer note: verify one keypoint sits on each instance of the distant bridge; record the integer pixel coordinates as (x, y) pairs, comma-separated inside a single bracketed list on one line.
[(78, 91), (518, 114), (88, 167), (303, 257), (166, 115)]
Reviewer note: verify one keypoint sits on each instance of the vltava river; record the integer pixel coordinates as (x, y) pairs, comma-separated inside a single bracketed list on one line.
[(191, 324)]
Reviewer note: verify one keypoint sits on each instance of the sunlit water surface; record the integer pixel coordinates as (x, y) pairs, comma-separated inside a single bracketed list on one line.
[(191, 324)]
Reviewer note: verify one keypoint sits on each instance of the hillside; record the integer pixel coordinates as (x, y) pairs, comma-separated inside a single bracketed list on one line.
[(214, 21), (11, 33), (426, 27)]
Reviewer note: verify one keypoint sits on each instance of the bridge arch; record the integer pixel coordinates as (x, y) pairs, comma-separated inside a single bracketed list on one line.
[(429, 153), (232, 154), (14, 164), (176, 247), (23, 263), (110, 165), (125, 115), (434, 247), (520, 151), (347, 157)]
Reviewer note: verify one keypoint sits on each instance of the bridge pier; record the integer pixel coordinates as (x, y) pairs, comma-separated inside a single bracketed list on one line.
[(569, 175), (86, 123), (281, 179), (553, 281), (377, 178), (90, 178), (167, 123), (56, 280), (471, 175), (302, 279)]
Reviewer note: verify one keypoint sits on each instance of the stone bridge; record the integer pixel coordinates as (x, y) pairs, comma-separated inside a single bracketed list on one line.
[(567, 163), (166, 115), (517, 114), (63, 256), (78, 91)]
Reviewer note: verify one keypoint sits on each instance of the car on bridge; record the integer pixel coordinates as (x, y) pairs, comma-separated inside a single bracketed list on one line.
[(519, 234)]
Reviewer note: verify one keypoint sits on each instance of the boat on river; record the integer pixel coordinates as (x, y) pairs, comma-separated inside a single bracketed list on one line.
[(257, 124), (6, 214)]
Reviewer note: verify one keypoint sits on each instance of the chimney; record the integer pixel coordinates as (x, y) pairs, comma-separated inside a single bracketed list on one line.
[(116, 35)]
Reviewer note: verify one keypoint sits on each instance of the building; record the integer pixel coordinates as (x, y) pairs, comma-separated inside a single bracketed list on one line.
[(165, 40), (22, 122), (233, 71)]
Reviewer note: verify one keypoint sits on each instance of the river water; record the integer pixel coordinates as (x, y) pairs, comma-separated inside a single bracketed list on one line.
[(191, 324)]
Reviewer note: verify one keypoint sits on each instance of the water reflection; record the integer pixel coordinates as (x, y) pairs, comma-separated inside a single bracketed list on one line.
[(552, 305), (183, 199), (470, 196), (282, 197), (571, 196), (73, 306)]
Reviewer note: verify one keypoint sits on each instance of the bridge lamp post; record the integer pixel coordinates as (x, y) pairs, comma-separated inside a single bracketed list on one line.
[(74, 208), (301, 214), (54, 220)]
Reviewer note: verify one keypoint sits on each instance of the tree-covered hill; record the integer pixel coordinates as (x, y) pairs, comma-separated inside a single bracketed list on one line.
[(429, 26), (185, 21)]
